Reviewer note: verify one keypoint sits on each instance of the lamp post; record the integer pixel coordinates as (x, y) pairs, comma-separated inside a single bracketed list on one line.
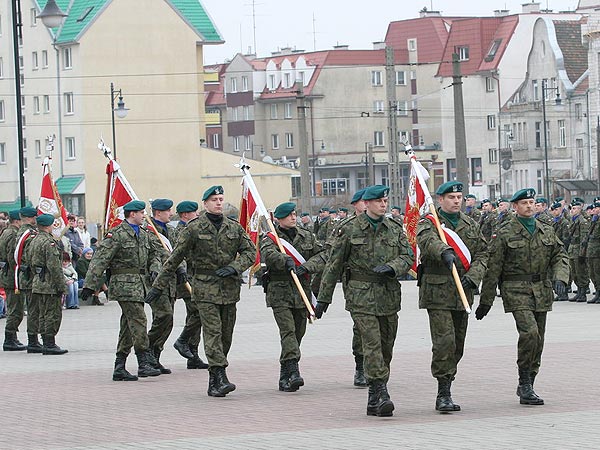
[(547, 170), (120, 110), (314, 164)]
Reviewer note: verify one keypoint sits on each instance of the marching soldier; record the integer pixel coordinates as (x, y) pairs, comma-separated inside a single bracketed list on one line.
[(48, 283), (503, 214), (324, 225), (438, 293), (396, 213), (471, 209), (306, 222), (189, 340), (282, 294), (487, 219), (14, 301), (527, 260), (561, 227), (541, 211), (593, 252), (217, 251), (342, 213), (578, 231), (127, 252), (373, 251)]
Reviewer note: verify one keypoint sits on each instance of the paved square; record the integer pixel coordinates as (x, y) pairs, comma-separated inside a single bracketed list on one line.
[(70, 401)]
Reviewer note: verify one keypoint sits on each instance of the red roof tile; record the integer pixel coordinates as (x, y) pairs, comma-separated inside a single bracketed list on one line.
[(568, 35)]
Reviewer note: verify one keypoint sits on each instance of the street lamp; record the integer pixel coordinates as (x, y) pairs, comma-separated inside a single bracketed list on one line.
[(51, 17), (558, 101), (120, 110), (314, 173)]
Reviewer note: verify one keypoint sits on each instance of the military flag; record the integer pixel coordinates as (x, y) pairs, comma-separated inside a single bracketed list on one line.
[(416, 206), (118, 193), (50, 202)]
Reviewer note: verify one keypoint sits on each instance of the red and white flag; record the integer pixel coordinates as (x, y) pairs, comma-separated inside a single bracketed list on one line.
[(454, 241), (18, 255), (118, 193), (50, 202), (251, 210)]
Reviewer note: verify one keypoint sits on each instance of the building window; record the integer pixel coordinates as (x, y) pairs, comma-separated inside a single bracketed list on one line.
[(2, 153), (538, 134), (412, 45), (216, 141), (34, 61), (1, 68), (493, 50), (548, 141), (301, 77), (476, 172), (246, 112), (288, 111), (287, 80), (69, 107), (46, 104), (578, 113), (38, 148), (451, 169), (296, 187), (36, 105), (70, 147), (489, 84), (236, 143), (376, 78), (33, 15), (462, 52), (402, 108), (245, 83), (248, 143), (275, 141), (233, 113), (272, 82), (493, 155), (335, 186), (535, 90), (562, 134), (378, 139), (233, 85), (579, 148), (2, 116), (400, 78), (289, 140), (44, 59), (67, 61), (274, 111), (491, 122), (378, 106)]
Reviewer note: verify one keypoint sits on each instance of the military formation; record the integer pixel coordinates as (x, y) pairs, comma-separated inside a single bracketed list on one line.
[(526, 247)]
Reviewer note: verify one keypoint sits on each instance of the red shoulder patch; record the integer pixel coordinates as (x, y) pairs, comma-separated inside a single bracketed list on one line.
[(108, 235)]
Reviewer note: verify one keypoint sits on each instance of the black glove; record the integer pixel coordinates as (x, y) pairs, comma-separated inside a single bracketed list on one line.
[(153, 276), (448, 257), (226, 271), (467, 283), (581, 259), (181, 277), (152, 295), (384, 269), (559, 287), (482, 311), (86, 293), (320, 309), (301, 270), (290, 265)]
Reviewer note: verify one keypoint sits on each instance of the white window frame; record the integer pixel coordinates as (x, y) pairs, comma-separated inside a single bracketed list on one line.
[(287, 80), (216, 141), (535, 90), (491, 121), (490, 85), (275, 141), (562, 133), (69, 104), (46, 104), (2, 153), (35, 65), (234, 114), (70, 151), (400, 78), (379, 106), (67, 58), (378, 139), (33, 16), (236, 144), (1, 68), (493, 155), (287, 111), (463, 52), (376, 78), (44, 59), (289, 140), (402, 108), (36, 104), (247, 143), (233, 85), (246, 112), (272, 85), (411, 44), (2, 111), (245, 85), (274, 111), (38, 148), (301, 77)]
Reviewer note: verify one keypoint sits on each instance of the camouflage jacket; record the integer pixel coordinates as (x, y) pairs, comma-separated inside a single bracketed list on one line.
[(26, 271), (46, 265), (486, 224), (129, 258), (578, 231), (524, 266), (358, 249), (500, 219), (205, 250), (324, 229), (561, 227), (182, 291), (164, 253), (544, 216), (593, 239), (8, 242), (437, 289), (474, 214), (281, 289)]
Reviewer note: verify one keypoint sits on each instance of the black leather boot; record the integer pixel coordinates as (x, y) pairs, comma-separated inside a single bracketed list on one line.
[(182, 345), (444, 402), (579, 296), (379, 403), (158, 365), (526, 393), (284, 376), (595, 298), (50, 347), (96, 301), (372, 401), (295, 380), (196, 362), (145, 365), (213, 388), (33, 345), (120, 373), (584, 291), (12, 343), (224, 386), (359, 372)]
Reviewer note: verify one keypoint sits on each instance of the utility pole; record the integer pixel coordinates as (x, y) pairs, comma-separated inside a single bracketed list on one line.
[(371, 166), (598, 150), (303, 150), (393, 157), (460, 138)]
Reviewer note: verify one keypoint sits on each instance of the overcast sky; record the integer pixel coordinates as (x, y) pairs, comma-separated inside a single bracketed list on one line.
[(281, 23)]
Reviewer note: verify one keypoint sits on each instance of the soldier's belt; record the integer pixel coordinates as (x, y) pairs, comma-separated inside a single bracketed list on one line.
[(533, 277), (279, 277), (436, 270), (202, 271), (369, 278), (127, 272)]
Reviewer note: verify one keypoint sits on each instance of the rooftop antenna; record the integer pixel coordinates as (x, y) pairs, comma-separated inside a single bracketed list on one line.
[(314, 33), (254, 24)]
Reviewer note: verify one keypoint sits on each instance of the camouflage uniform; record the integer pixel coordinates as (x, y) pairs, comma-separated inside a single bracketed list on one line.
[(283, 297), (372, 299), (206, 249), (593, 255), (324, 229), (544, 216), (14, 302), (438, 292), (129, 257), (578, 231), (561, 227), (500, 218), (524, 266), (473, 213), (26, 279), (486, 224)]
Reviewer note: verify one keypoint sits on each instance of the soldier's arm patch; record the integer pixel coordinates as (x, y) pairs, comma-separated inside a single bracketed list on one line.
[(108, 235)]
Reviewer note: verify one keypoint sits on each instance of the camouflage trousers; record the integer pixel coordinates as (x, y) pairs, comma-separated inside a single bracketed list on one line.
[(593, 267), (15, 306), (162, 322), (531, 326), (448, 330), (33, 312), (132, 330), (356, 341), (218, 322), (193, 324), (50, 313), (378, 336), (292, 327), (579, 272)]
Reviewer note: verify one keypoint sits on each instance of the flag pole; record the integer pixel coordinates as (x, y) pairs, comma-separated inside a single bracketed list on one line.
[(244, 168), (429, 200)]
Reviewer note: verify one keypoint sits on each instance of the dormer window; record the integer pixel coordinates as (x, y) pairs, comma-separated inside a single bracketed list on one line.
[(462, 52), (493, 50)]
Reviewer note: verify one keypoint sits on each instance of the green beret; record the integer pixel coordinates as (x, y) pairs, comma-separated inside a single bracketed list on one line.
[(332, 211), (187, 206), (558, 199), (28, 211), (304, 214), (450, 186), (45, 220), (503, 200), (596, 199), (469, 196), (324, 210), (597, 204), (397, 207), (589, 207), (343, 209), (15, 214), (375, 192), (161, 204), (555, 205), (284, 210), (134, 205), (213, 190), (523, 194), (541, 200), (357, 196), (485, 200), (576, 200)]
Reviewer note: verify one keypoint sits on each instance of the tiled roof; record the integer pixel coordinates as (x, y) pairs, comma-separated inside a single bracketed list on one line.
[(503, 33), (198, 18), (568, 35)]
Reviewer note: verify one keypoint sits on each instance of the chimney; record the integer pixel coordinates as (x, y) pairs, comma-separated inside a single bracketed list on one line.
[(286, 51), (533, 7), (378, 45), (341, 47), (426, 13), (501, 12)]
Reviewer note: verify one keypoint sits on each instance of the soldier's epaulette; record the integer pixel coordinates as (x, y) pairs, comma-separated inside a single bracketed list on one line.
[(395, 222), (108, 235), (190, 221)]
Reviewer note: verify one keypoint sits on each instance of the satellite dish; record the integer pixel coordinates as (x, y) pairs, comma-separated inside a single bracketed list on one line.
[(267, 159)]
